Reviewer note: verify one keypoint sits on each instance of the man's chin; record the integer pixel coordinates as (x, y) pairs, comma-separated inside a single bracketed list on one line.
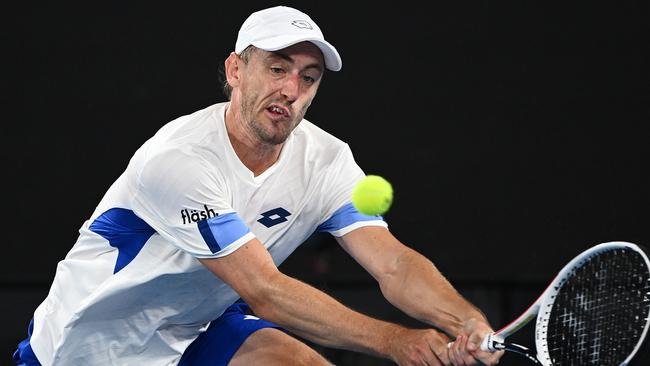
[(275, 140), (278, 137)]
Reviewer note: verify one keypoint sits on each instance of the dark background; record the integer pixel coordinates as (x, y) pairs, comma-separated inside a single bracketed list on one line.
[(514, 133)]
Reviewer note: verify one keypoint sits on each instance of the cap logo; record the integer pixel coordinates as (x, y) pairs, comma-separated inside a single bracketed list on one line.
[(301, 24)]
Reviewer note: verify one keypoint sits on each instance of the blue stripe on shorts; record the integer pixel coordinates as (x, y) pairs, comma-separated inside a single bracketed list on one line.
[(218, 344)]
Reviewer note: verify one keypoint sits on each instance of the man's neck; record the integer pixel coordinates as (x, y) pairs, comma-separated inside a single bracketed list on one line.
[(257, 156)]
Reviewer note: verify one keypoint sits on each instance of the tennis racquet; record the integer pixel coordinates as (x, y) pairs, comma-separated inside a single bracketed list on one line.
[(595, 312)]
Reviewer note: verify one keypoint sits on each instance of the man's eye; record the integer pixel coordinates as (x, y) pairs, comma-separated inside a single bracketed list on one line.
[(276, 70), (308, 79)]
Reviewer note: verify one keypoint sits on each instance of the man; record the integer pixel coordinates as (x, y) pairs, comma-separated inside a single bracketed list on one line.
[(206, 210)]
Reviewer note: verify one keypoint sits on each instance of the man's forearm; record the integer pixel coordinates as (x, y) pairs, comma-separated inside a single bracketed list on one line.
[(417, 287), (312, 314), (318, 317)]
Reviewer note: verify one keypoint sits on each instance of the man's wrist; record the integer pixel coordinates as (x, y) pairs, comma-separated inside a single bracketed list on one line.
[(389, 342), (476, 324)]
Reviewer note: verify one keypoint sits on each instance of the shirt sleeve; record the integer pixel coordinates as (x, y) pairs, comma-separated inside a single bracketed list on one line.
[(340, 216), (186, 202)]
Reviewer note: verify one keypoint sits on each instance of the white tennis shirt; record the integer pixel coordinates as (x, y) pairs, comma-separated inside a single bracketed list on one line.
[(131, 291)]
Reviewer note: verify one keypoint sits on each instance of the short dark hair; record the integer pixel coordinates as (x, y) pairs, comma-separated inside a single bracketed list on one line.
[(245, 56)]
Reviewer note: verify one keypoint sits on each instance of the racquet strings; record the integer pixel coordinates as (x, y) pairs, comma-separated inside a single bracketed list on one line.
[(599, 315)]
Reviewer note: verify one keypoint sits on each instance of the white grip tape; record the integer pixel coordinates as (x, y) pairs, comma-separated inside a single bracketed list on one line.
[(488, 342)]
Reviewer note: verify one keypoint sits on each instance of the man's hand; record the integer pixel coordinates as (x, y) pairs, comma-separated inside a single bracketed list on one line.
[(466, 348), (421, 347)]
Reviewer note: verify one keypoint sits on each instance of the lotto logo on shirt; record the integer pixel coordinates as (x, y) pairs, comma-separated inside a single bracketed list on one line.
[(190, 216)]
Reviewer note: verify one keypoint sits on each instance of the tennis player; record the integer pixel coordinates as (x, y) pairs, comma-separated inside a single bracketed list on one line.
[(208, 208)]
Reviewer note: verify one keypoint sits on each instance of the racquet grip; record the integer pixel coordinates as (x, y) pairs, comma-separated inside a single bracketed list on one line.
[(488, 342)]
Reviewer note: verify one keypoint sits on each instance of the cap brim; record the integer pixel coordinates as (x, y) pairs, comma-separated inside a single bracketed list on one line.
[(330, 54)]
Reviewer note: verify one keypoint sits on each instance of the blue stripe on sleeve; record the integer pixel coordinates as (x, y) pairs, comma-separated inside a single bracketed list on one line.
[(221, 231), (344, 217), (206, 233)]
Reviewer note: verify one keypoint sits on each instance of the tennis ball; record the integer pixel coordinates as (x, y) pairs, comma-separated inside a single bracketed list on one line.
[(372, 195)]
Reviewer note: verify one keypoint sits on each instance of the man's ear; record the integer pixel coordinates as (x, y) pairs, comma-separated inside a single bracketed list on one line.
[(232, 65)]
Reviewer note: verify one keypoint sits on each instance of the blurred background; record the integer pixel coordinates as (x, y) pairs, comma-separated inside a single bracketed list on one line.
[(514, 133)]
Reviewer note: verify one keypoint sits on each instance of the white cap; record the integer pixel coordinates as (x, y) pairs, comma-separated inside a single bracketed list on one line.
[(279, 27)]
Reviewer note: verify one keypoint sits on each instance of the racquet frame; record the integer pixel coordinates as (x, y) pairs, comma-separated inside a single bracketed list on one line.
[(496, 341)]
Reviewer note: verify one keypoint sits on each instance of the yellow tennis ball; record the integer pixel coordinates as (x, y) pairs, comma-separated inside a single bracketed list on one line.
[(372, 195)]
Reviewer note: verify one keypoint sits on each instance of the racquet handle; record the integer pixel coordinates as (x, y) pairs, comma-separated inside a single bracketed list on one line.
[(490, 341), (488, 344)]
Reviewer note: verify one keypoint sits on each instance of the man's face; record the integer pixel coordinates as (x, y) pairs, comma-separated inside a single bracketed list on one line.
[(276, 88)]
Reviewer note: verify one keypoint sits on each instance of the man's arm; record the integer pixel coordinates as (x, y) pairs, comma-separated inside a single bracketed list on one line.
[(413, 284), (316, 316)]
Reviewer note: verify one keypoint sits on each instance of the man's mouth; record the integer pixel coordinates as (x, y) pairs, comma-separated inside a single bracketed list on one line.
[(277, 111)]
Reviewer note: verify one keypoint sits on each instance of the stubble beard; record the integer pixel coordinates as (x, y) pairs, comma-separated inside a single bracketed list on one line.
[(266, 135)]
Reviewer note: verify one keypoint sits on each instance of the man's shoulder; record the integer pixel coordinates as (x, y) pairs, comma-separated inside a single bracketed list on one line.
[(192, 120), (196, 128), (186, 141), (317, 138)]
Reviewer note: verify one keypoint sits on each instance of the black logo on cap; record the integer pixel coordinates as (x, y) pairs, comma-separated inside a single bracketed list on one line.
[(302, 24)]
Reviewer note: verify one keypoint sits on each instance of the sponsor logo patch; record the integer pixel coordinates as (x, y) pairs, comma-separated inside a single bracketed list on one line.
[(190, 216)]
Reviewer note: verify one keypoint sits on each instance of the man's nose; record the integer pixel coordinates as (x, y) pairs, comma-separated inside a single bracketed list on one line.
[(291, 87)]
